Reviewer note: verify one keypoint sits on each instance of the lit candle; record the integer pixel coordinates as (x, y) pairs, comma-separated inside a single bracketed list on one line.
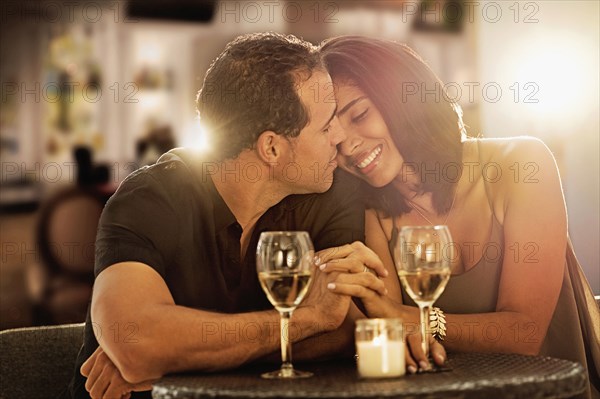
[(380, 348)]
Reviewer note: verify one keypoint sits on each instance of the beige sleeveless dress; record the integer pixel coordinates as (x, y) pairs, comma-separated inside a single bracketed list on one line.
[(574, 331)]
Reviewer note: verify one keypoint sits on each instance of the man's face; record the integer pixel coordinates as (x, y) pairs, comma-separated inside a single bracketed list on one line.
[(311, 161)]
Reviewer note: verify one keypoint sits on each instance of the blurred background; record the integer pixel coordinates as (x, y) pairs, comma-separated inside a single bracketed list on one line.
[(92, 90)]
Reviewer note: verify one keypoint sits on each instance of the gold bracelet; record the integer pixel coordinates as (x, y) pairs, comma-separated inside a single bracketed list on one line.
[(437, 323)]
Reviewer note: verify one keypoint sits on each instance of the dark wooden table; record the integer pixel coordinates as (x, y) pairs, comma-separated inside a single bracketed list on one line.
[(473, 375)]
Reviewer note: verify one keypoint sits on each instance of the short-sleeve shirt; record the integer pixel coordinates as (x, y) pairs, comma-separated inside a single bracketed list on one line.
[(171, 217)]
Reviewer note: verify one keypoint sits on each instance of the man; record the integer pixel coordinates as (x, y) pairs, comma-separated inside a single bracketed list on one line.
[(176, 286)]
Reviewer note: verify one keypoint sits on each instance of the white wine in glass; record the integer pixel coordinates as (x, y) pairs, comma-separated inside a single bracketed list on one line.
[(284, 262), (422, 256)]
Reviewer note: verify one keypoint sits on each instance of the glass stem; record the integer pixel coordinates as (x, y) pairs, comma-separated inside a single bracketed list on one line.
[(286, 345), (424, 310)]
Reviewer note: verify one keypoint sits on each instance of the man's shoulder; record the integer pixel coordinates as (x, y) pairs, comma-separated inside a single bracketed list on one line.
[(170, 183), (173, 172)]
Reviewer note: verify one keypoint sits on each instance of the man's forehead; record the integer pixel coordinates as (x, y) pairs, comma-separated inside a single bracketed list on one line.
[(317, 92), (318, 98)]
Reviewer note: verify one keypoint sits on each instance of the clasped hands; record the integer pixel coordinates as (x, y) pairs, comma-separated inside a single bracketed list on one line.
[(358, 272)]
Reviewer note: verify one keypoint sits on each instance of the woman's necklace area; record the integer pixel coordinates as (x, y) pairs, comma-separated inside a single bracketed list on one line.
[(416, 208)]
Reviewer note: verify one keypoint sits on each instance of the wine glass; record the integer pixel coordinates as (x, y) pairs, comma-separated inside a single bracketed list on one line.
[(422, 256), (284, 262)]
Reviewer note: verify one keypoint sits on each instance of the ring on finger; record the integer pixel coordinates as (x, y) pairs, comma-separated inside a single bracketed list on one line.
[(366, 269)]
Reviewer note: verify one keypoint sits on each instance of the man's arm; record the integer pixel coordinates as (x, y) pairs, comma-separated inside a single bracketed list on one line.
[(168, 338)]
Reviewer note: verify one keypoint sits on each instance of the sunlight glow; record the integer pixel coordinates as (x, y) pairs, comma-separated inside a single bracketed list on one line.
[(196, 137), (556, 69)]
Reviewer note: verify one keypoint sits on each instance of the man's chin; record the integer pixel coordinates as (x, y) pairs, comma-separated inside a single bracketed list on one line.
[(325, 186), (316, 189)]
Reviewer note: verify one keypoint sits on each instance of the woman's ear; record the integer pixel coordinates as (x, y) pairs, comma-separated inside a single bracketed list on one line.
[(269, 146)]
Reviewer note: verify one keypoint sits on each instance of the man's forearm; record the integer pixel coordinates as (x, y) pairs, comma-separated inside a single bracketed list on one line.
[(170, 338), (160, 337)]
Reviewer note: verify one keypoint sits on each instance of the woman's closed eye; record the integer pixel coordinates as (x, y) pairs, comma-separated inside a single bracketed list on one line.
[(360, 116)]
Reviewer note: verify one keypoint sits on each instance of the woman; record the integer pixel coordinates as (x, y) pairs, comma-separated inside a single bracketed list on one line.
[(512, 289)]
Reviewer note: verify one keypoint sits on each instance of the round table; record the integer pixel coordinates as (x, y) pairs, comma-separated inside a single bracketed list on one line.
[(472, 375)]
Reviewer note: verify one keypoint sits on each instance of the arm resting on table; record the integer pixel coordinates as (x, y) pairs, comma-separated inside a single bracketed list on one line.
[(170, 338)]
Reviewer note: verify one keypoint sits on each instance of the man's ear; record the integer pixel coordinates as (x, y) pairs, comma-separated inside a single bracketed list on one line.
[(269, 146)]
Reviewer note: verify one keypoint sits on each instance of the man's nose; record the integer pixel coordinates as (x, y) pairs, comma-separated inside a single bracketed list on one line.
[(338, 134)]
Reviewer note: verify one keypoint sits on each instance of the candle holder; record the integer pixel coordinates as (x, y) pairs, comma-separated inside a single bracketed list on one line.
[(380, 348)]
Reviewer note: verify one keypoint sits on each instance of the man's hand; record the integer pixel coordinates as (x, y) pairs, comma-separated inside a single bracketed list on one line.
[(327, 308), (104, 381)]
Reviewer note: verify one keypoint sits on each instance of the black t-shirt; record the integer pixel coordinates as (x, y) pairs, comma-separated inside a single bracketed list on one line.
[(171, 217)]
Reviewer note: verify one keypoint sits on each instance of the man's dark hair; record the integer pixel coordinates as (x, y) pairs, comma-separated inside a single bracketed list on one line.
[(252, 87)]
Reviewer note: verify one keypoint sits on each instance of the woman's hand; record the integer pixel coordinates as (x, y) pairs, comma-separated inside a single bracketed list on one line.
[(350, 258), (366, 286), (359, 274), (415, 357)]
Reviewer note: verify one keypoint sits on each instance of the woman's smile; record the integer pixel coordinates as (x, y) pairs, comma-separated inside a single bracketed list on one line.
[(368, 151), (367, 162)]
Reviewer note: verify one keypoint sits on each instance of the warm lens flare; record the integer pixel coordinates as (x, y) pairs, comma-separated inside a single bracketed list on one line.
[(196, 137), (559, 69)]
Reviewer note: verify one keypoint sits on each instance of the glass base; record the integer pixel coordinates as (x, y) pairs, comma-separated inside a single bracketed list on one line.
[(287, 373)]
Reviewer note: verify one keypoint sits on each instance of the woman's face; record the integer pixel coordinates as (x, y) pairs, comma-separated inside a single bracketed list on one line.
[(368, 151)]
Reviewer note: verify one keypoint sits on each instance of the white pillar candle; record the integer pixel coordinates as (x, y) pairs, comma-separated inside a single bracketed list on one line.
[(380, 357)]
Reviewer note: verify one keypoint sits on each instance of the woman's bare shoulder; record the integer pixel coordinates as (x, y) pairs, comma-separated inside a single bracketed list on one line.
[(517, 171), (512, 163), (514, 152)]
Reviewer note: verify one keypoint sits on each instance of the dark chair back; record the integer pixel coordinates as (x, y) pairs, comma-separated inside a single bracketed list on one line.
[(38, 362), (67, 232), (66, 237)]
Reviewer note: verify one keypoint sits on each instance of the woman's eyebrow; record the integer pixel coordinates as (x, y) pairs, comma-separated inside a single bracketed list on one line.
[(349, 105)]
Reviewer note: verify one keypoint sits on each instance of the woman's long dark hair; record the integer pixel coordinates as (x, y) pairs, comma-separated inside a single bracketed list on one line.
[(425, 124)]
